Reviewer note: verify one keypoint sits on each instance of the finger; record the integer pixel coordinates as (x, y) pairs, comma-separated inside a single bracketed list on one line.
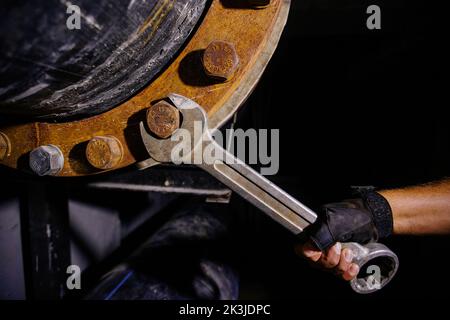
[(331, 258), (345, 261), (351, 272), (309, 251)]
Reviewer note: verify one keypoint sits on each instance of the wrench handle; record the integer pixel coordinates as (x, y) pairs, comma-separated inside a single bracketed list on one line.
[(377, 264)]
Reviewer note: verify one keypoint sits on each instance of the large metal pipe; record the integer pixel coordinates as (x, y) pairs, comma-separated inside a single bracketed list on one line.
[(49, 71)]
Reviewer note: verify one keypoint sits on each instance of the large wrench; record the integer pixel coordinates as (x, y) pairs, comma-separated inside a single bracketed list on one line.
[(377, 263)]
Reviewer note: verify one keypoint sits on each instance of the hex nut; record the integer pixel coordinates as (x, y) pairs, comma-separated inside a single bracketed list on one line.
[(5, 146), (163, 119), (104, 152), (46, 160), (220, 60)]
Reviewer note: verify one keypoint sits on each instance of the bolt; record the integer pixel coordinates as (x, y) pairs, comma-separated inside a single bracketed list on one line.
[(163, 119), (46, 160), (220, 60), (104, 152), (5, 146)]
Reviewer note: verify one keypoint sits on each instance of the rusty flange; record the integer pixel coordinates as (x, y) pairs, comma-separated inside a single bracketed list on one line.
[(5, 146), (254, 34)]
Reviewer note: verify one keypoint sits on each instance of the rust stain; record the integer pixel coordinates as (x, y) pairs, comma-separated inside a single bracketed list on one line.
[(104, 152), (163, 119), (247, 29), (220, 60), (37, 131), (155, 19)]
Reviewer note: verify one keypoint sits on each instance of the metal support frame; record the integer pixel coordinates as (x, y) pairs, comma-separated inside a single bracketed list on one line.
[(168, 179), (46, 240), (44, 211)]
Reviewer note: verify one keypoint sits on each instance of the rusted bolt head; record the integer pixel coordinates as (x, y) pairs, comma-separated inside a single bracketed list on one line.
[(5, 146), (163, 119), (220, 60), (46, 160), (104, 152)]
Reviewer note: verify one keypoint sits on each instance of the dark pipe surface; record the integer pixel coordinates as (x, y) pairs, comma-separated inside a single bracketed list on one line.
[(50, 72)]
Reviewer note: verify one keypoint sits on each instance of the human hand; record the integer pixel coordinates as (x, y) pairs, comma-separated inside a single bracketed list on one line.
[(333, 259)]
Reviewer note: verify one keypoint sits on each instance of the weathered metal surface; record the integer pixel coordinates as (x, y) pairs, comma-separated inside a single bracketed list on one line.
[(229, 107), (52, 72), (220, 60), (254, 33), (46, 246), (104, 152), (5, 146), (46, 160), (163, 119)]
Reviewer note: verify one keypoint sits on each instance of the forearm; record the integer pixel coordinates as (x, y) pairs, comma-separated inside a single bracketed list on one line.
[(421, 210)]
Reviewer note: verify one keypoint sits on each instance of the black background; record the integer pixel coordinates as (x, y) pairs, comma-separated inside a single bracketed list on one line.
[(354, 107)]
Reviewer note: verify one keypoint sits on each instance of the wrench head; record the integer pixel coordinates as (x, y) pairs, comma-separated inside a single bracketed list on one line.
[(193, 127)]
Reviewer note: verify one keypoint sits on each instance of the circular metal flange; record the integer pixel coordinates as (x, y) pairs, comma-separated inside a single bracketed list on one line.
[(5, 146), (255, 43), (64, 72)]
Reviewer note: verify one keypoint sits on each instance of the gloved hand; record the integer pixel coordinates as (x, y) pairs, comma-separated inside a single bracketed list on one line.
[(361, 220)]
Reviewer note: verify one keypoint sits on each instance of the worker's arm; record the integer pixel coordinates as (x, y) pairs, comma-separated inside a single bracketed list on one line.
[(419, 210), (422, 209)]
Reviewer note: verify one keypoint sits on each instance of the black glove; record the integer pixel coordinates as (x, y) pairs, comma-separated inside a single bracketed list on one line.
[(361, 220)]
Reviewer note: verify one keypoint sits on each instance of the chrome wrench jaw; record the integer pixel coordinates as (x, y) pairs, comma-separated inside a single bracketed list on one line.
[(161, 149), (253, 187), (257, 190), (228, 169)]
